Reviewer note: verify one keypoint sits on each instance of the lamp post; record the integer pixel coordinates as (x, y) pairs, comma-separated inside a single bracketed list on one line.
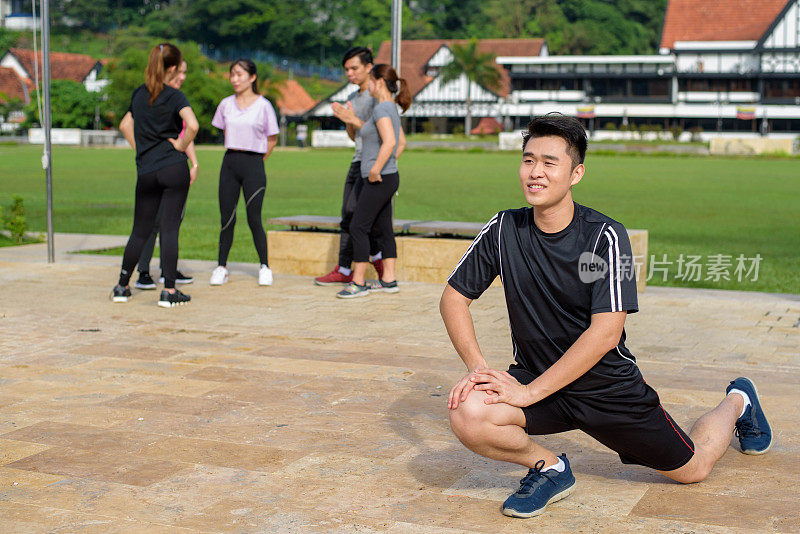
[(397, 22), (47, 120)]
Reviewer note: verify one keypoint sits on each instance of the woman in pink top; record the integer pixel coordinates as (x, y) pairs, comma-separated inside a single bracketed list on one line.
[(251, 132)]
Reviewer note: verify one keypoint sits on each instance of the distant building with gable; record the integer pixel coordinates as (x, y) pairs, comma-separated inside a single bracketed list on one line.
[(722, 66), (726, 65), (63, 66)]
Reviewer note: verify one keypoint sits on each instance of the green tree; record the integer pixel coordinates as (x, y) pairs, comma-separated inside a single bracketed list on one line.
[(576, 26), (71, 105), (15, 221), (478, 67), (8, 39), (223, 23)]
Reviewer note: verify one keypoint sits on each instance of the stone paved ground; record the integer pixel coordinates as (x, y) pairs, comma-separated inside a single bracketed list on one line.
[(283, 409)]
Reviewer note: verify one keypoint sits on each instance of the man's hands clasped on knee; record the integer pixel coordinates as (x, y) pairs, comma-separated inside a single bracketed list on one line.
[(475, 381), (460, 391), (501, 387)]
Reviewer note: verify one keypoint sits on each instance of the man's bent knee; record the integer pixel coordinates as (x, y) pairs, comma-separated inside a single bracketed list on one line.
[(473, 417), (695, 470)]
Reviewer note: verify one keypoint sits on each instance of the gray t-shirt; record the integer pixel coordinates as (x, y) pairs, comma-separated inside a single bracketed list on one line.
[(371, 138), (363, 103)]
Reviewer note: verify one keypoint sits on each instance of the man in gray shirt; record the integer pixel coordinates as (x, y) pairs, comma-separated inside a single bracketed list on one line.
[(357, 64)]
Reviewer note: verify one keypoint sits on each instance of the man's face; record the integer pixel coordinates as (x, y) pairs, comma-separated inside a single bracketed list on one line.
[(357, 73), (546, 172)]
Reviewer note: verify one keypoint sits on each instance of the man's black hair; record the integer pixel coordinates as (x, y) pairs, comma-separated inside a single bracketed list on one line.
[(567, 128), (364, 54)]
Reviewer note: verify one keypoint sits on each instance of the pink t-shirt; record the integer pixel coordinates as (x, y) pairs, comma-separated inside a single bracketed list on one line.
[(246, 129)]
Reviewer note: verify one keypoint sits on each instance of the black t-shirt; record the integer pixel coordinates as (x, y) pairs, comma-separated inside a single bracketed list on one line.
[(153, 125), (553, 284)]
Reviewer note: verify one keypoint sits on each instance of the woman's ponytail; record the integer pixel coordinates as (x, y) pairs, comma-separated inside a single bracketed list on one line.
[(394, 84), (403, 98), (162, 57)]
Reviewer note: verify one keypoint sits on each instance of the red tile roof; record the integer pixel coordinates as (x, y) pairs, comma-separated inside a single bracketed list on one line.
[(63, 65), (718, 20), (294, 99), (13, 86), (415, 54)]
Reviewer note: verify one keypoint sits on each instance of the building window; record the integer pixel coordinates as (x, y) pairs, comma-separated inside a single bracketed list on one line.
[(615, 88), (723, 85), (782, 88), (547, 84)]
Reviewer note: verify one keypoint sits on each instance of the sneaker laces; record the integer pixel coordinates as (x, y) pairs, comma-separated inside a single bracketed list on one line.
[(747, 425), (535, 477)]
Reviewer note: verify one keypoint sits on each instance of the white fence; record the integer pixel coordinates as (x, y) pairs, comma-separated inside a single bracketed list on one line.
[(75, 137), (330, 139)]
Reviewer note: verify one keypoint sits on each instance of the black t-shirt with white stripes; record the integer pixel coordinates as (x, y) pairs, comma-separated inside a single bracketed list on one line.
[(553, 284)]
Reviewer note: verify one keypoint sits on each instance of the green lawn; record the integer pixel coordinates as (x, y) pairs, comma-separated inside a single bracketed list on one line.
[(691, 205), (8, 242)]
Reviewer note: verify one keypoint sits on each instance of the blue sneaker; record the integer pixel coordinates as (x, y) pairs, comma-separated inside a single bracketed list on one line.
[(752, 428), (538, 489)]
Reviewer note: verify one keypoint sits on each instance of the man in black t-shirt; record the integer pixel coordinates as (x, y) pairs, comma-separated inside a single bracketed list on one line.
[(568, 276)]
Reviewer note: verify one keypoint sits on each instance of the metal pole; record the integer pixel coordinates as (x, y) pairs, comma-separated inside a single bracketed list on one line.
[(397, 23), (47, 158)]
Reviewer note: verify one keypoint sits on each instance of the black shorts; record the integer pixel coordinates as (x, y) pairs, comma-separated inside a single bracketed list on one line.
[(630, 422)]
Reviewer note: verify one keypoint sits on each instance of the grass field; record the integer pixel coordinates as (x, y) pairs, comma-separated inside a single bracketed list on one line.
[(700, 206)]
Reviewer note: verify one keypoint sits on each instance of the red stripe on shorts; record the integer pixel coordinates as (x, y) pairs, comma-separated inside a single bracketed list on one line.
[(673, 427)]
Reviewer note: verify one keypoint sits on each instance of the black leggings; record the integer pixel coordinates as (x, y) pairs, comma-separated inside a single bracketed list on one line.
[(353, 185), (150, 244), (373, 213), (242, 171), (167, 188)]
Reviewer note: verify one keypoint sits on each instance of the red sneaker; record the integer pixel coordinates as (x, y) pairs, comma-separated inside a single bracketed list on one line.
[(378, 264), (333, 277)]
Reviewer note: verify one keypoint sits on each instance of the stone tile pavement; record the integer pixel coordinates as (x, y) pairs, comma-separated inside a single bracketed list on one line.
[(283, 409)]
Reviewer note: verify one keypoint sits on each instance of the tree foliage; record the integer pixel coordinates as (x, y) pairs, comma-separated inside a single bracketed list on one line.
[(8, 39), (321, 30), (72, 106)]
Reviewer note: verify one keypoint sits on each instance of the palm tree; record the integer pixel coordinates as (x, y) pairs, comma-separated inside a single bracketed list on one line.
[(478, 67)]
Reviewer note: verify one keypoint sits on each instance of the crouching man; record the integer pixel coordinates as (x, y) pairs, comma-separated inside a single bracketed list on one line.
[(567, 274)]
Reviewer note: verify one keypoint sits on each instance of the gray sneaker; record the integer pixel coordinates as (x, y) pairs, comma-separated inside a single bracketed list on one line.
[(385, 287), (353, 290)]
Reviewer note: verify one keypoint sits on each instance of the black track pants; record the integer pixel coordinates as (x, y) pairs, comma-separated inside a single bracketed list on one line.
[(373, 213), (242, 171), (168, 188), (353, 185)]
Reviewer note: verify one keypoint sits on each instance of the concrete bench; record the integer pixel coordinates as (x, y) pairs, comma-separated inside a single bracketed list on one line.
[(401, 226), (427, 251)]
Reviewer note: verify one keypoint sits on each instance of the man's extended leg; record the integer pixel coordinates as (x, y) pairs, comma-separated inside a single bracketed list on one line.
[(711, 434)]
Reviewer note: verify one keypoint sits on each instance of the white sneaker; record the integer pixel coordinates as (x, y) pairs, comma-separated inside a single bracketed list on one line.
[(219, 276), (265, 276)]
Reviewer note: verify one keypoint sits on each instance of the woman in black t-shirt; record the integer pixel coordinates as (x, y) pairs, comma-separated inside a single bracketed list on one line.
[(152, 126)]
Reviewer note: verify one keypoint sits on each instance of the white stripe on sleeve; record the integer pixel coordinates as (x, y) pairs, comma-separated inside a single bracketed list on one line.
[(611, 271), (619, 268)]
